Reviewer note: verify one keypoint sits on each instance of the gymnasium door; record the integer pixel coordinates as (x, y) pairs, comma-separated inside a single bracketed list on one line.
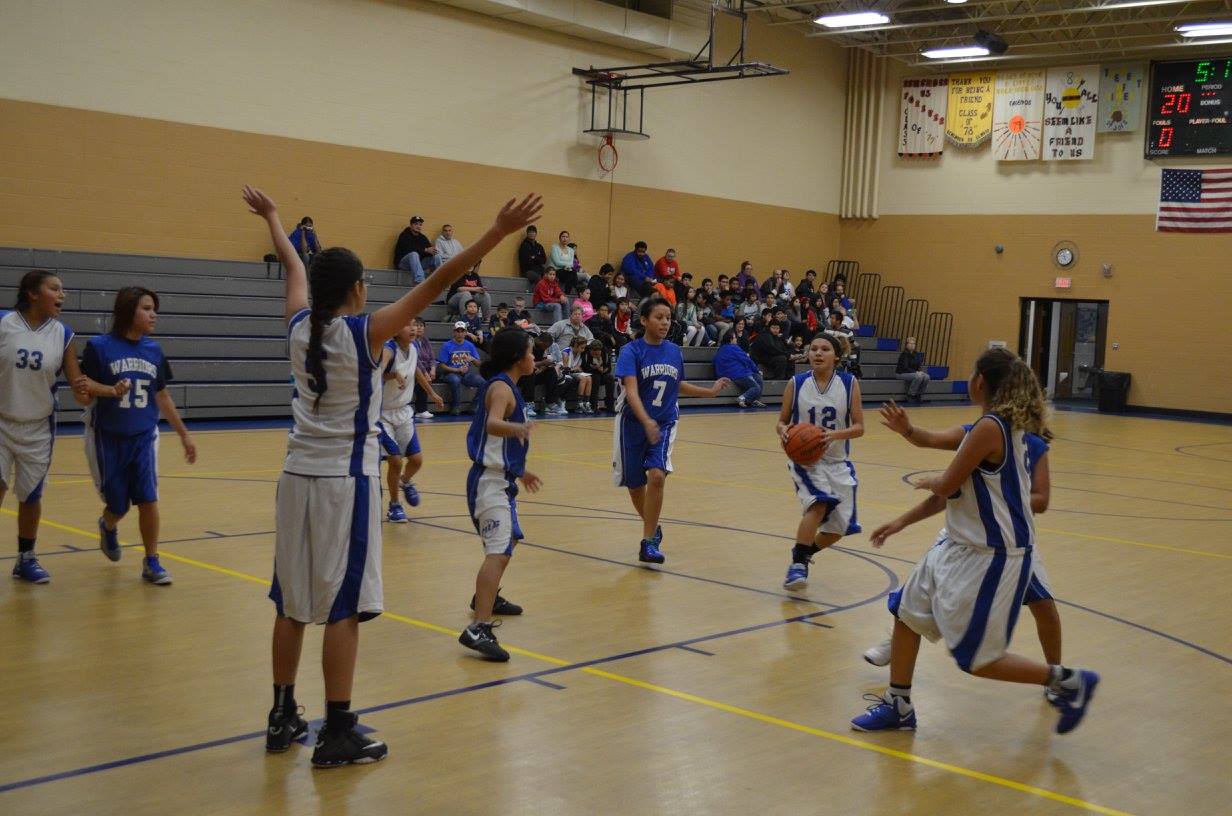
[(1063, 340)]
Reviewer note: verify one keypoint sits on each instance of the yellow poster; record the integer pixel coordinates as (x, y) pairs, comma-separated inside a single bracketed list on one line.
[(968, 116)]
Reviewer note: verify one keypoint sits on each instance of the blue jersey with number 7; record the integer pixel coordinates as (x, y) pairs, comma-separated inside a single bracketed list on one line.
[(107, 359), (658, 368)]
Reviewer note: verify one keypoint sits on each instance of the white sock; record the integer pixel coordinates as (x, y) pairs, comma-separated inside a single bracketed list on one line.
[(901, 698)]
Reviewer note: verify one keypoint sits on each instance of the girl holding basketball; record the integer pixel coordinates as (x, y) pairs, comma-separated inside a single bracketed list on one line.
[(650, 371), (327, 549), (969, 587), (829, 400)]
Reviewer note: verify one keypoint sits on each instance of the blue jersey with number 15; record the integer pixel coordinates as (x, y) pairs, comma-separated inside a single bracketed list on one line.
[(108, 359), (658, 369)]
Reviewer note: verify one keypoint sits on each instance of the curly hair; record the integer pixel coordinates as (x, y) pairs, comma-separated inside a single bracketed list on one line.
[(1014, 391)]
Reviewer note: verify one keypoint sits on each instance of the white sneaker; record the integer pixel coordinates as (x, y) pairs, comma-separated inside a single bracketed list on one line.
[(879, 655), (424, 415), (561, 409)]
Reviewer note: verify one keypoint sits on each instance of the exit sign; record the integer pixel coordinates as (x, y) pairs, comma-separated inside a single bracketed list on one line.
[(1064, 283)]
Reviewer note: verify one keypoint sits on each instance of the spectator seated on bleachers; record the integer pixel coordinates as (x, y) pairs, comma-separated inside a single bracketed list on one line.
[(561, 257), (414, 253), (910, 369), (620, 288), (426, 364), (532, 257), (543, 376), (549, 297), (622, 322), (665, 290), (598, 364), (520, 316), (734, 363), (563, 331), (500, 320), (600, 326), (808, 286), (305, 240), (687, 315), (469, 287), (458, 365), (786, 290), (772, 286), (667, 266), (638, 269), (576, 381), (446, 245), (476, 331), (740, 330), (851, 353), (601, 287), (555, 352), (770, 352), (749, 308), (745, 278), (583, 302)]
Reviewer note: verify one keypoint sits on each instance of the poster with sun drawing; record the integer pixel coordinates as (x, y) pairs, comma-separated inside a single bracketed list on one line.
[(1071, 101), (968, 115), (1018, 115), (921, 120), (1121, 86)]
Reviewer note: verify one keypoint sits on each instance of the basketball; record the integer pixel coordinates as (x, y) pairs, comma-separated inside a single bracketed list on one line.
[(804, 445)]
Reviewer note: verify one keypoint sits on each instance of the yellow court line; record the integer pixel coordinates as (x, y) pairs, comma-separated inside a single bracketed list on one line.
[(680, 695)]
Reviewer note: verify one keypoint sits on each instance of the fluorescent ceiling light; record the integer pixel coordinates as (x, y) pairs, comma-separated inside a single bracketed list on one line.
[(1219, 29), (955, 2), (1135, 4), (862, 18), (960, 51)]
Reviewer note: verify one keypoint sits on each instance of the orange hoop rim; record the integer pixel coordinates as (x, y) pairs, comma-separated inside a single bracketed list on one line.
[(609, 156)]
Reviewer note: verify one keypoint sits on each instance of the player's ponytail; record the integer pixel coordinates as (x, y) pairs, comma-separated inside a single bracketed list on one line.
[(331, 276), (1014, 392), (27, 290), (508, 346)]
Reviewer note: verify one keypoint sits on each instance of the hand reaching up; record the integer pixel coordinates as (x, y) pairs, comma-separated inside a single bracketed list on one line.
[(514, 217)]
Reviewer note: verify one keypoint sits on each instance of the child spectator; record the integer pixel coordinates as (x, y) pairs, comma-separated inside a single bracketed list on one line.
[(740, 332), (427, 364), (549, 297), (688, 318), (476, 332), (576, 378), (520, 317), (772, 354), (622, 322), (619, 287), (910, 368), (469, 287), (544, 374), (665, 290), (735, 364), (601, 287), (749, 309), (598, 364), (601, 327), (500, 320), (584, 303), (808, 286)]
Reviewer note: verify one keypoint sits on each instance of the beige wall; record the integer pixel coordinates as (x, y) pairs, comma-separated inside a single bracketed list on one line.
[(423, 79)]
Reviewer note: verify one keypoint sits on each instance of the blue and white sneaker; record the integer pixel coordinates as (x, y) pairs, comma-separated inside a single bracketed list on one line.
[(1073, 702), (885, 714), (797, 575), (153, 572), (658, 536), (649, 552), (29, 569), (396, 514), (411, 494), (109, 541)]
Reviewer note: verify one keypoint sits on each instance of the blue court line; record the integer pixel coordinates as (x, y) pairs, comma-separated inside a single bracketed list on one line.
[(540, 681), (696, 651), (534, 676)]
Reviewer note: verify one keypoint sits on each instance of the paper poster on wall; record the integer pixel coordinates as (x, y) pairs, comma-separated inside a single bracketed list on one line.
[(921, 121), (1018, 115), (1071, 101), (968, 115), (1121, 86)]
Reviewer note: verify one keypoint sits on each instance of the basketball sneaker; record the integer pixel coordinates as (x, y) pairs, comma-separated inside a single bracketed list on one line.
[(481, 638), (797, 575), (343, 745), (501, 607), (284, 728), (396, 514), (649, 551), (658, 536), (29, 569), (411, 494), (878, 655), (742, 402), (1073, 701), (758, 404), (153, 572), (887, 713), (109, 541)]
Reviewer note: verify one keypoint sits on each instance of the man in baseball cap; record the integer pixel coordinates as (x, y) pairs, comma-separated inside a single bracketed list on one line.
[(458, 365), (414, 253)]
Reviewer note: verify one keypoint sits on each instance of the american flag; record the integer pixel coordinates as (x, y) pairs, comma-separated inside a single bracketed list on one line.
[(1195, 201)]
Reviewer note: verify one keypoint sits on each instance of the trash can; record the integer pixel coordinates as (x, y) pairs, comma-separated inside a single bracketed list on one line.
[(1112, 390)]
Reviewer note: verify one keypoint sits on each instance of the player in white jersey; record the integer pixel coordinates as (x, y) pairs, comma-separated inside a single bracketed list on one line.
[(969, 588), (328, 542), (829, 399), (1038, 598), (34, 346), (398, 434)]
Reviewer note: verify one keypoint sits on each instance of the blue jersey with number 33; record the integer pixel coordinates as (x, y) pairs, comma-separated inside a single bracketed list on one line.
[(658, 369), (108, 359)]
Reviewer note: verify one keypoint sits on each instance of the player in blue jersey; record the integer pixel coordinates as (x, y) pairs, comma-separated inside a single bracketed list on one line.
[(327, 550), (34, 347), (830, 399), (650, 371), (126, 373), (969, 587), (1038, 597), (497, 443)]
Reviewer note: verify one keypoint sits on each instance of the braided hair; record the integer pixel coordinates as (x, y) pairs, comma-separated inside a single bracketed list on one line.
[(1014, 391), (31, 282), (331, 276)]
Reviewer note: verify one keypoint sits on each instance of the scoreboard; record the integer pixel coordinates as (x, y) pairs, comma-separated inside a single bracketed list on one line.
[(1190, 110)]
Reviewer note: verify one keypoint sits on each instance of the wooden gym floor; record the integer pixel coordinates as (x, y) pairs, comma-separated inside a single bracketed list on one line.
[(702, 688)]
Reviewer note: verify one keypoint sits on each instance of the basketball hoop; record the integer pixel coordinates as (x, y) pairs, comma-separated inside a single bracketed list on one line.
[(608, 156)]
